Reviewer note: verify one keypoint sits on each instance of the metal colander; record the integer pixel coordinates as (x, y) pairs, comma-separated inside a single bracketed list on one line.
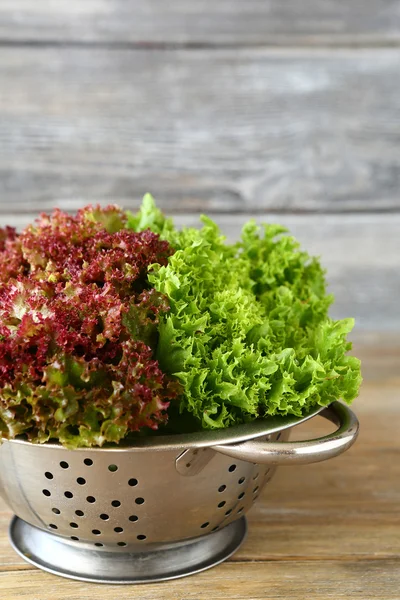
[(164, 508)]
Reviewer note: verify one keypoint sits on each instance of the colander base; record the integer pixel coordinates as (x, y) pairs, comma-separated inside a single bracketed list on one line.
[(164, 561)]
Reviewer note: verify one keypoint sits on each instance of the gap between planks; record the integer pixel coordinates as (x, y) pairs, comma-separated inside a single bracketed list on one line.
[(313, 42)]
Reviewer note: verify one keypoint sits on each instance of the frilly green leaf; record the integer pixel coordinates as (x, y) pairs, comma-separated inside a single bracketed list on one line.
[(248, 332)]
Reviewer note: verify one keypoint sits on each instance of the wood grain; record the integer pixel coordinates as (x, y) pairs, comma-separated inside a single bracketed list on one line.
[(326, 531), (202, 22), (360, 252), (363, 580), (213, 130)]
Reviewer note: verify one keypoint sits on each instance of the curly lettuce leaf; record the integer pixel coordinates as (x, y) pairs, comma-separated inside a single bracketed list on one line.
[(150, 217), (79, 328), (248, 333)]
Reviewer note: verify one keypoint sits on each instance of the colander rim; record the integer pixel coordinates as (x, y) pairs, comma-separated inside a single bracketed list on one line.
[(200, 439)]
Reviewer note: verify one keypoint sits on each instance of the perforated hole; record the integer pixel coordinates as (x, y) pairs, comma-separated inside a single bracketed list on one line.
[(56, 511), (81, 481), (222, 488), (255, 476), (132, 482), (104, 517), (256, 489), (73, 537), (91, 499), (241, 496), (228, 512), (49, 475), (221, 504), (64, 465), (88, 462), (241, 480), (96, 531), (46, 492), (118, 529), (79, 513), (74, 525), (133, 518), (206, 524), (116, 503), (122, 544), (53, 526), (98, 544), (232, 468), (240, 510), (68, 494), (141, 537), (139, 500), (215, 528), (112, 468)]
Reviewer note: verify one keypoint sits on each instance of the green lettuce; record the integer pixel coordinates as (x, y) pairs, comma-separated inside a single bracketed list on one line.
[(248, 333)]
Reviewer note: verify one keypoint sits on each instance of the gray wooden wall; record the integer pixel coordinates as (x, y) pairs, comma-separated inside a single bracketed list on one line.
[(284, 110)]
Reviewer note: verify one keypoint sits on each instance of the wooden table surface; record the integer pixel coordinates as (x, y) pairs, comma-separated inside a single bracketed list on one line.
[(324, 531)]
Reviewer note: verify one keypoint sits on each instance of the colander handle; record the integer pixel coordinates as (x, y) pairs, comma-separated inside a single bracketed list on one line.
[(300, 453)]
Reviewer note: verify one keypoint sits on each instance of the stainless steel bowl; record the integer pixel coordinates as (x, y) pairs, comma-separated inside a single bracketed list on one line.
[(163, 508)]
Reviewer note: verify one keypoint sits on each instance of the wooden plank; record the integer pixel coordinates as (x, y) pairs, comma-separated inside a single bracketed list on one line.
[(213, 130), (202, 22), (302, 580), (379, 353), (360, 252)]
